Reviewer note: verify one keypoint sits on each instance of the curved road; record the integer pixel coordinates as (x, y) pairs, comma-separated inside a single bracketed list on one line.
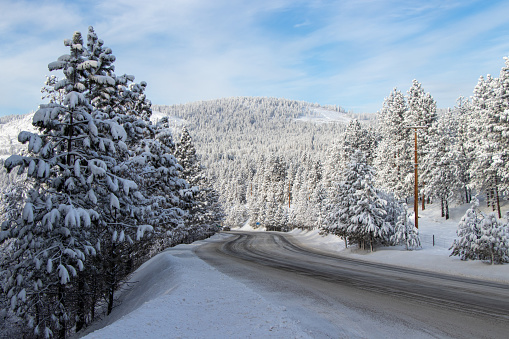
[(331, 296)]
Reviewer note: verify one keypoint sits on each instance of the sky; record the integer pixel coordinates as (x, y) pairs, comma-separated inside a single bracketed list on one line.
[(350, 53)]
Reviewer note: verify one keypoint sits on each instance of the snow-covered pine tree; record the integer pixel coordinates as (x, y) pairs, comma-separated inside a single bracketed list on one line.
[(486, 140), (205, 211), (319, 204), (80, 198), (53, 232), (392, 156), (501, 131), (365, 215), (357, 138), (493, 243), (336, 220), (256, 196), (48, 90), (405, 231), (356, 209), (270, 212), (312, 194), (332, 164), (236, 192), (270, 193), (163, 193), (301, 213), (441, 162), (469, 231), (481, 237), (463, 146), (422, 111)]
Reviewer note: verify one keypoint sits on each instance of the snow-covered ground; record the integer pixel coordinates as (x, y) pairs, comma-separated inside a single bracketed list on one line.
[(9, 135), (430, 257), (323, 115), (177, 295), (174, 121)]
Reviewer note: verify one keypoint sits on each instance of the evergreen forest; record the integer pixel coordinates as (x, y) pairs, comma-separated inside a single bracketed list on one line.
[(105, 179)]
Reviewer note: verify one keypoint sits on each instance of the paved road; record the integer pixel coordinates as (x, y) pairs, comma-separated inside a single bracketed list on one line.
[(336, 297)]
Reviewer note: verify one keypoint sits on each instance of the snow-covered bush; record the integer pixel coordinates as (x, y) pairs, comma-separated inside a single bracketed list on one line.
[(405, 231), (493, 244), (481, 237), (468, 232)]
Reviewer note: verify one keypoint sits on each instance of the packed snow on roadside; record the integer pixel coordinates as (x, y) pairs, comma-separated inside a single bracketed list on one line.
[(436, 235), (177, 295)]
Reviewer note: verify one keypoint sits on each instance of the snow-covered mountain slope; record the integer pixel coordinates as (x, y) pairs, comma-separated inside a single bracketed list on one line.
[(9, 130), (253, 110), (174, 121), (204, 117), (324, 115), (247, 127)]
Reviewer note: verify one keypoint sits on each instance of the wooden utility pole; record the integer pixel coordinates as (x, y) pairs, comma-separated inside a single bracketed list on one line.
[(497, 197), (416, 177), (416, 184)]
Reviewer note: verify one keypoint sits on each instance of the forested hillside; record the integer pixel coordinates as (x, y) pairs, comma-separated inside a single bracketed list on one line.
[(10, 126), (237, 138)]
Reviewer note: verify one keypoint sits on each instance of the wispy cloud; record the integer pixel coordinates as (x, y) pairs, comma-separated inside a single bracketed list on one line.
[(349, 52)]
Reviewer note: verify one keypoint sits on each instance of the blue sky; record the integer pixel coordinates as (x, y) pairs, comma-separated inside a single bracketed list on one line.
[(350, 53)]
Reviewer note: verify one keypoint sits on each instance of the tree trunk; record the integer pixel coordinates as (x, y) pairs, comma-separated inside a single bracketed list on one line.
[(112, 283), (69, 141), (61, 300), (93, 292), (423, 202), (493, 205), (37, 314), (111, 295), (80, 314), (446, 210), (443, 212), (497, 198), (92, 309)]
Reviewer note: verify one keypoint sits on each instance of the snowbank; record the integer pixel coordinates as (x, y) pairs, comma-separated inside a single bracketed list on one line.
[(177, 295), (436, 234)]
